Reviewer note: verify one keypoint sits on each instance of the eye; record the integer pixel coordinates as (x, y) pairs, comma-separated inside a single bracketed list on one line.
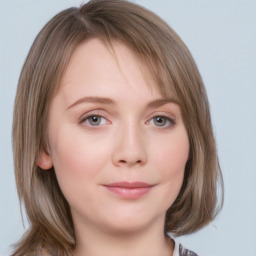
[(162, 121), (95, 120)]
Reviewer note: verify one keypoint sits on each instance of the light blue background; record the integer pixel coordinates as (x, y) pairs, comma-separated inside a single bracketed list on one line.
[(221, 35)]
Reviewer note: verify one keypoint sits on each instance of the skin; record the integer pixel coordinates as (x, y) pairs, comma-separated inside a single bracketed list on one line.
[(124, 141)]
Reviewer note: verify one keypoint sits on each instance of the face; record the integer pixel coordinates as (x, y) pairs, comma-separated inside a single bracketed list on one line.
[(118, 147)]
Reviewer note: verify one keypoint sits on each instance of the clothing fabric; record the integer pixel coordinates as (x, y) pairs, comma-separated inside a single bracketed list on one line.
[(179, 250)]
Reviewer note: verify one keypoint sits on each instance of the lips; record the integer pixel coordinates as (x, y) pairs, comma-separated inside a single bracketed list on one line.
[(129, 190)]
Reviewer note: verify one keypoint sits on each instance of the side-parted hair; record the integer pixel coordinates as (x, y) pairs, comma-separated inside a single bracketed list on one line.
[(174, 71)]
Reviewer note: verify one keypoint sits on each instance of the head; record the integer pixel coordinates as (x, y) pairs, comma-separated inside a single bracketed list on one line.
[(174, 71)]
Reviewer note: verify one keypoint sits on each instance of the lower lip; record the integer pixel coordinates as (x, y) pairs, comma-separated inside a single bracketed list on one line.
[(129, 193)]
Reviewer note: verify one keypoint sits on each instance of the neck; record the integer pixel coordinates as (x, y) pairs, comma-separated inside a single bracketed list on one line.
[(148, 242)]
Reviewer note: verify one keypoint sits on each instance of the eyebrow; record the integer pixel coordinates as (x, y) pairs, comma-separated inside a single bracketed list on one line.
[(160, 102), (92, 100), (108, 101)]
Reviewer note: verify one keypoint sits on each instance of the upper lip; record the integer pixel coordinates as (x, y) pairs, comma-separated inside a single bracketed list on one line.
[(125, 184)]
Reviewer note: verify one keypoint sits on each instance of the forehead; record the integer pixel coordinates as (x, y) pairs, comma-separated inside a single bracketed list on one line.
[(96, 55)]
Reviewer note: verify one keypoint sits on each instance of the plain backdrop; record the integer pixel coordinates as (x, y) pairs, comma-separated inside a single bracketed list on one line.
[(221, 35)]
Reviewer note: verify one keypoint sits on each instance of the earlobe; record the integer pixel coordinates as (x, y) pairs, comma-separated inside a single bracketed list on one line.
[(44, 160)]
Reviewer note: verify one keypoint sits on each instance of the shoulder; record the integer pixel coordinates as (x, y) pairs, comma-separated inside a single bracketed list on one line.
[(179, 250)]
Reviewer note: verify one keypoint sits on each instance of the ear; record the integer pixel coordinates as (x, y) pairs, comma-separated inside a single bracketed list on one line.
[(44, 160)]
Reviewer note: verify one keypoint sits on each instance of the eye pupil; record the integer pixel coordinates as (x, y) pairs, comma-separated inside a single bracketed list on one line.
[(159, 121)]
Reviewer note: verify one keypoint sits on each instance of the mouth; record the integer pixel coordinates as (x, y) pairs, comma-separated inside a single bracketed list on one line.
[(129, 190)]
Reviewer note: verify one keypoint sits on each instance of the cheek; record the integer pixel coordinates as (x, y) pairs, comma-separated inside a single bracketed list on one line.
[(77, 158), (172, 154)]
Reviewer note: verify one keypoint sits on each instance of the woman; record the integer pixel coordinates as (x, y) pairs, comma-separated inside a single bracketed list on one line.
[(113, 143)]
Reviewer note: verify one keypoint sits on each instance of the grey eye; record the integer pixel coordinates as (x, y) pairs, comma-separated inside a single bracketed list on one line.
[(95, 120), (160, 120)]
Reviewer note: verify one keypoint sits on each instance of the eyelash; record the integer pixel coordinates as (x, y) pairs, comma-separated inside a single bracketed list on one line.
[(169, 121)]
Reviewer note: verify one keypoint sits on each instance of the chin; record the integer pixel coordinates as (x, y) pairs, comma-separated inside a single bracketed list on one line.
[(131, 223)]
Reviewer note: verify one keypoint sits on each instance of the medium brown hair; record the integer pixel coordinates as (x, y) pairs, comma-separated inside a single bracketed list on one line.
[(175, 72)]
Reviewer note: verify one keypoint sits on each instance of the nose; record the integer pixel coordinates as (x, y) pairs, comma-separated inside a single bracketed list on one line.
[(130, 147)]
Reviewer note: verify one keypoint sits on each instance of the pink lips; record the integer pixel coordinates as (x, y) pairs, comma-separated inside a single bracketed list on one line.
[(129, 190)]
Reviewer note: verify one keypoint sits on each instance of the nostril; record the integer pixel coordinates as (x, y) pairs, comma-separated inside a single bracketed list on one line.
[(128, 162)]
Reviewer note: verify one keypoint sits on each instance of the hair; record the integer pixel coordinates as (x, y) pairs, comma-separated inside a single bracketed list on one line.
[(175, 72)]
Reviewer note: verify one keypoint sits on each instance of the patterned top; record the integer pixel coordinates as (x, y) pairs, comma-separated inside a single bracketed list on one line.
[(179, 250)]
